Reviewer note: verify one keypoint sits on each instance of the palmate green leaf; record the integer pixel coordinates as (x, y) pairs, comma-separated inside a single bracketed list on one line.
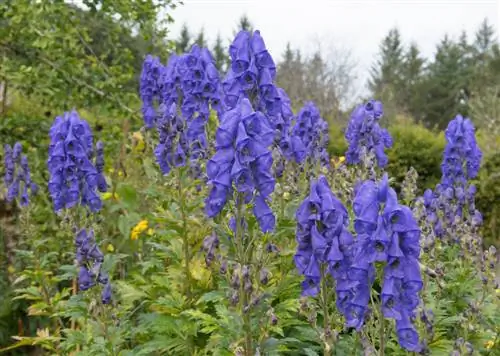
[(129, 294)]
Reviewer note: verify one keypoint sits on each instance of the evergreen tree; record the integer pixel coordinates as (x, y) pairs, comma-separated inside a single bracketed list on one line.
[(200, 39), (184, 41), (244, 24), (445, 85), (412, 75), (386, 72), (219, 52)]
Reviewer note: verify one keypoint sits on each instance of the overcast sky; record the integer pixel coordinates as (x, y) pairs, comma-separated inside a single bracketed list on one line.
[(357, 24)]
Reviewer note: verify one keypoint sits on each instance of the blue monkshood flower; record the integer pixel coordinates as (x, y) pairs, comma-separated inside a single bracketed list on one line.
[(242, 163), (387, 232), (149, 89), (17, 175), (74, 179), (365, 135), (106, 294), (102, 186), (189, 86), (89, 259), (322, 237), (462, 156), (312, 132), (252, 75)]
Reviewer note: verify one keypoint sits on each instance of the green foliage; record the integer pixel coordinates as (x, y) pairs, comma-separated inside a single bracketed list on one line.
[(72, 56), (488, 199), (417, 147)]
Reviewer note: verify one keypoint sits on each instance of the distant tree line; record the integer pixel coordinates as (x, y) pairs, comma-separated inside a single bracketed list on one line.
[(463, 76)]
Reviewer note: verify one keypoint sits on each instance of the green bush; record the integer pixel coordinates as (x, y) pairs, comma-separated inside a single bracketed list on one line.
[(414, 146), (488, 197)]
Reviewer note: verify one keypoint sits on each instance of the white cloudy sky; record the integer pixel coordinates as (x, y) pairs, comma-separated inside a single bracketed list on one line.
[(355, 24)]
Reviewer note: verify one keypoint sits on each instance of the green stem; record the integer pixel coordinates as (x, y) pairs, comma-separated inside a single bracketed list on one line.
[(242, 252), (381, 333), (327, 348), (185, 240)]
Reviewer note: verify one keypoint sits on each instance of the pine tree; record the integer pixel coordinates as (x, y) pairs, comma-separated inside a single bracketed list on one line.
[(412, 75), (386, 82), (446, 85), (200, 39), (220, 56), (184, 41), (244, 24), (387, 69)]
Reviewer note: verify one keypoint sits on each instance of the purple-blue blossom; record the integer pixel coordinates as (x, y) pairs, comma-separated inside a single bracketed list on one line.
[(242, 163), (386, 232), (17, 175), (322, 237), (89, 260), (74, 179), (188, 86), (462, 156), (309, 136), (252, 75), (149, 89), (364, 134)]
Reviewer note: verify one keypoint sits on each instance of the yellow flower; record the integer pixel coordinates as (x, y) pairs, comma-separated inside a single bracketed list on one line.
[(110, 248), (109, 195), (286, 195), (139, 229), (11, 269), (337, 161), (150, 232), (490, 344)]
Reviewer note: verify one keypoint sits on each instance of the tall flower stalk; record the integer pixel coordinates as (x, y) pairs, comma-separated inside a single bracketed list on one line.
[(240, 173), (386, 233), (74, 182), (177, 99), (324, 248)]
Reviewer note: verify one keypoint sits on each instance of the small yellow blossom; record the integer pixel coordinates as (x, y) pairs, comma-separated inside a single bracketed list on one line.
[(150, 232), (120, 174), (337, 161), (110, 248), (139, 229), (490, 344), (11, 269), (286, 195), (109, 195)]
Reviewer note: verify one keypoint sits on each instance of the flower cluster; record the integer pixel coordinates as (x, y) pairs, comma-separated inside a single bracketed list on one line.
[(364, 134), (462, 156), (242, 160), (388, 233), (149, 89), (74, 178), (189, 85), (251, 75), (312, 131), (17, 175), (322, 236), (90, 258), (461, 161), (139, 229)]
